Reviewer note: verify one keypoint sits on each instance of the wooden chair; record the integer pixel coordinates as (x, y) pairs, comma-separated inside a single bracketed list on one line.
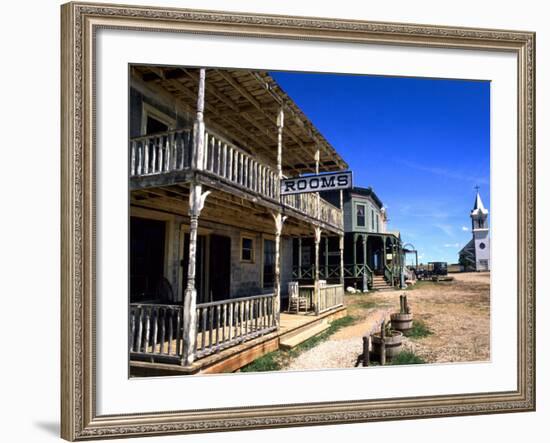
[(295, 301)]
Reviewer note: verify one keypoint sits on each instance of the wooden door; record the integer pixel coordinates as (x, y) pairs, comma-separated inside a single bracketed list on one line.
[(219, 268)]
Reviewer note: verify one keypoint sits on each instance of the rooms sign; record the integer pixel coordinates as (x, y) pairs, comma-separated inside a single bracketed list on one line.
[(316, 183)]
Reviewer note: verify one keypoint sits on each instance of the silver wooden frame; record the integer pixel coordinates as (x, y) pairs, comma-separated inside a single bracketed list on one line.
[(79, 420)]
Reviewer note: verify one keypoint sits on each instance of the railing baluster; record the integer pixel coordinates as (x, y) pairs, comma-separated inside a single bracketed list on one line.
[(132, 328), (224, 323), (178, 332), (204, 328), (155, 329), (211, 326), (217, 327), (147, 329), (241, 317), (231, 311), (170, 331), (162, 319), (140, 329)]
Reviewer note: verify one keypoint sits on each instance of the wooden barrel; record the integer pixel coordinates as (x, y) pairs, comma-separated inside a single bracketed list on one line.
[(393, 343), (401, 322)]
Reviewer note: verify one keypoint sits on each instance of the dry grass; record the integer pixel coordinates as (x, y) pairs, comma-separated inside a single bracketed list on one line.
[(457, 314)]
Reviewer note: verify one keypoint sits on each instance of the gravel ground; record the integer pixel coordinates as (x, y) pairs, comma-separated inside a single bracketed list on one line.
[(457, 312)]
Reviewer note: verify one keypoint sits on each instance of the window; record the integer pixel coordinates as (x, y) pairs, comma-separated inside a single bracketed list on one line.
[(360, 210), (373, 227), (269, 264), (154, 121), (247, 249), (482, 245)]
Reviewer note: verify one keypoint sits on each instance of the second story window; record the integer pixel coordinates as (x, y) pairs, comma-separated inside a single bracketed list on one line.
[(373, 227), (360, 215)]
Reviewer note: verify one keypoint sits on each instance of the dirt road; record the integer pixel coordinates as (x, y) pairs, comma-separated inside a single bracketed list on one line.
[(457, 313)]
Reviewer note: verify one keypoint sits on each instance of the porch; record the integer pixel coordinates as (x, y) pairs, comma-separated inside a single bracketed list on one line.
[(230, 334), (370, 260)]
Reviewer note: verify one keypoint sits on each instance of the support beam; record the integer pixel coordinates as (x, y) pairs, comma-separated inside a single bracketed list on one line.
[(317, 231), (365, 262), (196, 203), (326, 258), (280, 127), (354, 255), (299, 257), (279, 220), (197, 160), (341, 247)]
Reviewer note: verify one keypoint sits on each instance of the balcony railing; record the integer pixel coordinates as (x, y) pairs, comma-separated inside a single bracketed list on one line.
[(170, 152)]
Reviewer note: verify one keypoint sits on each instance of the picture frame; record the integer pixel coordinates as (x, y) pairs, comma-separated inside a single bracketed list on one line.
[(80, 23)]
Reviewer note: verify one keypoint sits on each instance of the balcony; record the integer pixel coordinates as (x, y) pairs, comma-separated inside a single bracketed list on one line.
[(165, 158)]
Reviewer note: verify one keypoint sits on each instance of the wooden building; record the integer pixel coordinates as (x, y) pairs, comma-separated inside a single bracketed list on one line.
[(211, 238), (373, 256)]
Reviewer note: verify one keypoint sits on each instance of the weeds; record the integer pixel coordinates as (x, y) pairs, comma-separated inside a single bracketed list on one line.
[(407, 358), (419, 330)]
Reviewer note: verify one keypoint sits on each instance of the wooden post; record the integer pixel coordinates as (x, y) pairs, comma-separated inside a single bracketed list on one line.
[(366, 356), (326, 258), (341, 246), (316, 285), (197, 161), (341, 243), (279, 221), (299, 258), (196, 203), (317, 158), (354, 255), (384, 254), (280, 126), (383, 344)]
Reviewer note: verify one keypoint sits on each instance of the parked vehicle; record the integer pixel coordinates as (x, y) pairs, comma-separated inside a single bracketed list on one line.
[(438, 268)]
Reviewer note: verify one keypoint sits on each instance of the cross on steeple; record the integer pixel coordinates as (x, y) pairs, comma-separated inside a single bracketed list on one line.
[(476, 187)]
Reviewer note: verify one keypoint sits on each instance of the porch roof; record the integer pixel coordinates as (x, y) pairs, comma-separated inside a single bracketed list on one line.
[(243, 106)]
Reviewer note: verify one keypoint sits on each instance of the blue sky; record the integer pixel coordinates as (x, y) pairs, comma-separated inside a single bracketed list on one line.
[(422, 144)]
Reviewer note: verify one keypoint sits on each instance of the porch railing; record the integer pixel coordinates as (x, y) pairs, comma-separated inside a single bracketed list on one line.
[(156, 330), (171, 152), (330, 296), (229, 322), (332, 272)]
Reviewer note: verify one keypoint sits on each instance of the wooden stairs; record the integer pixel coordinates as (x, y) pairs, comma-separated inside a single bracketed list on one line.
[(379, 283), (289, 341)]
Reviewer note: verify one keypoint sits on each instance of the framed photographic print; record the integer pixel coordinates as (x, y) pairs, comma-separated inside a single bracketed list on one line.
[(284, 221)]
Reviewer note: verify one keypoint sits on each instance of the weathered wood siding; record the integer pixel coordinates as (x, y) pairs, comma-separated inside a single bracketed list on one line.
[(246, 278)]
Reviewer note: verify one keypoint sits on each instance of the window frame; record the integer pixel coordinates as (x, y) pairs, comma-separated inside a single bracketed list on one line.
[(149, 110), (364, 206), (252, 247)]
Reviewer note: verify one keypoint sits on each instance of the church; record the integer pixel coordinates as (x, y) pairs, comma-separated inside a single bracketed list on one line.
[(476, 255)]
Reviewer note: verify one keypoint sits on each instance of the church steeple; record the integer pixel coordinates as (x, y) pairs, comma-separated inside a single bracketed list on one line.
[(479, 213), (477, 253)]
